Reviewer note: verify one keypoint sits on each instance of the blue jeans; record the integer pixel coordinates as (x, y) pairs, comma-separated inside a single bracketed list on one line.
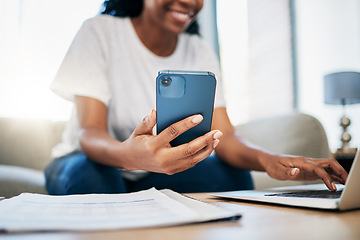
[(76, 174)]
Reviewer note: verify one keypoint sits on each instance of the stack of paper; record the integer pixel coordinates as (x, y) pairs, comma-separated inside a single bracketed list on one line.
[(149, 208)]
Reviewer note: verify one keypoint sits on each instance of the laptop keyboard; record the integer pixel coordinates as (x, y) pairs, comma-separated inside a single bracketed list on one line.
[(310, 194)]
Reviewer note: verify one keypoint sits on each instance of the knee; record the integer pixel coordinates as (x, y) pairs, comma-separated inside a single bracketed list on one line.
[(79, 175)]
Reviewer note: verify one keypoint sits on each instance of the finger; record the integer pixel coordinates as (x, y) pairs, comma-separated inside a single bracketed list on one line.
[(320, 172), (146, 125), (200, 155), (308, 168), (336, 179), (333, 166), (174, 130), (177, 159), (279, 172), (189, 154), (192, 160), (293, 172), (188, 149)]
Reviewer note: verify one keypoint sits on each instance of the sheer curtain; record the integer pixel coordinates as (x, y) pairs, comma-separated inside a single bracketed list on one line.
[(256, 55), (270, 74)]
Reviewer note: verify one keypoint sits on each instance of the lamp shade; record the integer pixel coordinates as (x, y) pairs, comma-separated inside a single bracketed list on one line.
[(342, 88)]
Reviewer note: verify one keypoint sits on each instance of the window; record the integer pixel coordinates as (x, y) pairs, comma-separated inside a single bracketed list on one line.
[(233, 40), (328, 40), (256, 49), (37, 35), (256, 58)]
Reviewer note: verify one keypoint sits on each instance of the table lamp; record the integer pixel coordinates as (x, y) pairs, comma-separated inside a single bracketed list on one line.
[(343, 88)]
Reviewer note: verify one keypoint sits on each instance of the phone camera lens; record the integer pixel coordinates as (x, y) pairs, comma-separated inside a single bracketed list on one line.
[(166, 81)]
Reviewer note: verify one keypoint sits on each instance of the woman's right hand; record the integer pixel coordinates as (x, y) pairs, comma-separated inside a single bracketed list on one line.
[(144, 151)]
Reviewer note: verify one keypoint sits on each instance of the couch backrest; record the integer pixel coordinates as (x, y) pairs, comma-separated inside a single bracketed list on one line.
[(28, 143), (296, 134)]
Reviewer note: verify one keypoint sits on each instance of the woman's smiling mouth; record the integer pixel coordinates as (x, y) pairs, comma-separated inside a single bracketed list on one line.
[(181, 16)]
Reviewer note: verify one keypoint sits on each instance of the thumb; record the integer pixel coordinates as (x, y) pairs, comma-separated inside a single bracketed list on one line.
[(146, 125), (293, 172)]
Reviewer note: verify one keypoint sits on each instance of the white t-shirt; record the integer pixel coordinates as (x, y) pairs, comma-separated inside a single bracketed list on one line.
[(107, 61)]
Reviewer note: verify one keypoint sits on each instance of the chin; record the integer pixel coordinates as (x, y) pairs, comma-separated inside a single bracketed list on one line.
[(178, 29)]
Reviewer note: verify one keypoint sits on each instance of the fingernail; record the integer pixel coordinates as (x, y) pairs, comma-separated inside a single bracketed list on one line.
[(217, 135), (293, 171), (197, 119), (151, 113), (333, 186), (148, 117), (216, 142)]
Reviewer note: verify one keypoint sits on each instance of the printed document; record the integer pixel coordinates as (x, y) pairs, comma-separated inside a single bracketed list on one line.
[(88, 212)]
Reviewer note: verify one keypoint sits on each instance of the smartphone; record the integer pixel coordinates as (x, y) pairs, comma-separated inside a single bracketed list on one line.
[(180, 94)]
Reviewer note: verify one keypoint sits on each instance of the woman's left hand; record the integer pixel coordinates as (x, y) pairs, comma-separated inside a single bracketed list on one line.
[(300, 168)]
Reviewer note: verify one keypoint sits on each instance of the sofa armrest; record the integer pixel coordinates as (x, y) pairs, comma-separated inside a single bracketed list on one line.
[(16, 180), (28, 142)]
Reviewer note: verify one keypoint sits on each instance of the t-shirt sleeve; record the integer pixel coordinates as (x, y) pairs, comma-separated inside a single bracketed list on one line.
[(83, 70)]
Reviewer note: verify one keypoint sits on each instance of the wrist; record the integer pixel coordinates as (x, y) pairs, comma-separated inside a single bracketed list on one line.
[(266, 159), (117, 154)]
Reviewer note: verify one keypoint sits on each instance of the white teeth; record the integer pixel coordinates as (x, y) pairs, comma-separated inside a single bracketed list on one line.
[(182, 15)]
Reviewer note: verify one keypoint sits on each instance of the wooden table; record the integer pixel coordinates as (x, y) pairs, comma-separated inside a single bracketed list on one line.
[(258, 221)]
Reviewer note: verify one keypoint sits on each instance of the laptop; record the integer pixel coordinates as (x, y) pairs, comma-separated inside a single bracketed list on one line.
[(309, 196)]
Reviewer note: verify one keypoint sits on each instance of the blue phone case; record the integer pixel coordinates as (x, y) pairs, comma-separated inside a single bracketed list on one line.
[(180, 94)]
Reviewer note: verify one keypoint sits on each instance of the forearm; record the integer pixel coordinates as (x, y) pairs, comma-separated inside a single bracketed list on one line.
[(240, 153), (233, 148), (99, 146), (95, 141)]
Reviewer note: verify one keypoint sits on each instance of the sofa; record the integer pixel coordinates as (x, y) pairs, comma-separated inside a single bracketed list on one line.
[(25, 147)]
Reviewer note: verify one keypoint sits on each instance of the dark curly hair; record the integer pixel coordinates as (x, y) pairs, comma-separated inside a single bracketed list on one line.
[(133, 8)]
